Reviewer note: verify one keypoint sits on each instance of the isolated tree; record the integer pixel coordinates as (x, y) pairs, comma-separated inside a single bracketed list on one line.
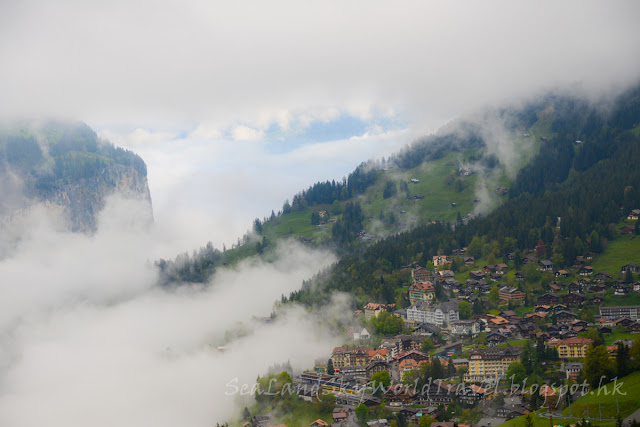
[(330, 369), (315, 218), (528, 421), (257, 226), (628, 276), (246, 414)]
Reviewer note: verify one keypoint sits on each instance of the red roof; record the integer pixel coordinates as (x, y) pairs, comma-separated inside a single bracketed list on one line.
[(423, 286)]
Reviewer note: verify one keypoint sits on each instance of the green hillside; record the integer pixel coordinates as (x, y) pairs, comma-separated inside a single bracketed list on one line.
[(624, 250), (604, 399), (454, 183)]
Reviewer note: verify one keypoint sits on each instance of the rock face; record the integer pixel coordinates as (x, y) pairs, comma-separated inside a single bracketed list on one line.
[(66, 169), (81, 202)]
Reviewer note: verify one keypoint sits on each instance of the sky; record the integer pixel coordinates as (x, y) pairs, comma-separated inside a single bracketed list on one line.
[(236, 106)]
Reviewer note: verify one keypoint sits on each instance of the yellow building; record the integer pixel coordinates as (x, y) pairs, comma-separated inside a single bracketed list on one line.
[(490, 363), (571, 348), (421, 291), (350, 356)]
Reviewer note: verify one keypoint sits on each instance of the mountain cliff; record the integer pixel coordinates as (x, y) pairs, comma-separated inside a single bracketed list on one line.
[(65, 167)]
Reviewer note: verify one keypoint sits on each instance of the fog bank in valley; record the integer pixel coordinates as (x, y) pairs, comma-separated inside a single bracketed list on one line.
[(86, 338)]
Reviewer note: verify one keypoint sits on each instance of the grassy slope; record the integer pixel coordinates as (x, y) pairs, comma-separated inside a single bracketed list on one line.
[(619, 252), (603, 396), (628, 403), (545, 422), (301, 415), (435, 206)]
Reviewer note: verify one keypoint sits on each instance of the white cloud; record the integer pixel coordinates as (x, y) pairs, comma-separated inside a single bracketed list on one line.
[(168, 61), (245, 133), (87, 338)]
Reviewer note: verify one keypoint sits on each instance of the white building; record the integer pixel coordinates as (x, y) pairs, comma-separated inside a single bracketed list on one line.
[(422, 312)]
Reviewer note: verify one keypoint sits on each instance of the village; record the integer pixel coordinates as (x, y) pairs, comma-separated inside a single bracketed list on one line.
[(471, 331)]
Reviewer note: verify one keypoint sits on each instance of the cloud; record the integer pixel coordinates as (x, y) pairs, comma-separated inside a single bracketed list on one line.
[(211, 190), (168, 61), (245, 133), (87, 338)]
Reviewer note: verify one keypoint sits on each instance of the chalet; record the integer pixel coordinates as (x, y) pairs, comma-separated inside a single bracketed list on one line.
[(625, 322), (494, 339), (399, 393), (340, 417), (489, 268), (464, 328), (450, 283), (484, 288), (373, 309), (437, 393), (548, 299), (596, 300), (441, 259), (465, 293), (555, 287), (563, 273), (585, 271), (596, 289), (633, 215), (566, 316), (584, 282), (636, 287), (526, 328), (508, 413), (542, 309), (509, 314), (545, 265), (469, 260), (263, 420), (602, 277), (626, 230), (559, 307), (421, 274), (620, 290), (529, 259), (376, 366), (575, 287), (520, 275), (605, 330), (502, 268), (573, 299), (578, 322), (635, 268), (635, 328), (510, 256), (472, 393), (496, 277), (508, 293), (445, 274), (416, 355)]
